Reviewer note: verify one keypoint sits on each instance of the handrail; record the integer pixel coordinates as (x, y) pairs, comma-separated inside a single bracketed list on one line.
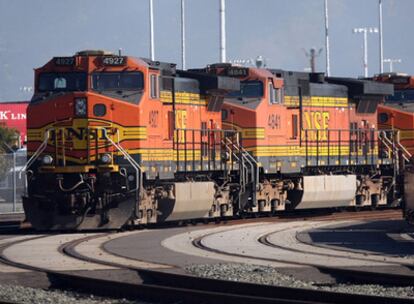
[(35, 155), (253, 160), (385, 140), (395, 145), (246, 155), (126, 155), (228, 148), (241, 166), (406, 154)]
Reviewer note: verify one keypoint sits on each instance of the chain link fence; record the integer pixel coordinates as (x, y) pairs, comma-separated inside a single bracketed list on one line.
[(12, 181)]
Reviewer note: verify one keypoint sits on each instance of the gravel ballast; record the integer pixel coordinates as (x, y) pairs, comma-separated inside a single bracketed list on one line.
[(27, 295), (270, 276)]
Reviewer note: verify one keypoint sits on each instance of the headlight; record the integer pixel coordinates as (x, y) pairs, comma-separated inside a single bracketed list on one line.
[(106, 158), (80, 106), (47, 160)]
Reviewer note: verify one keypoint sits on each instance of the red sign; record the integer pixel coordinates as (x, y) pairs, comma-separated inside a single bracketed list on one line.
[(13, 115)]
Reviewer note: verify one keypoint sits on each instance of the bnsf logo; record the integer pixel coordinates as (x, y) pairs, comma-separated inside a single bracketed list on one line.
[(78, 137)]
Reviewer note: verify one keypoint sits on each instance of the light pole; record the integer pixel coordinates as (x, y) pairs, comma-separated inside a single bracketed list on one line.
[(328, 63), (151, 18), (222, 31), (381, 43), (365, 31), (391, 62), (183, 34)]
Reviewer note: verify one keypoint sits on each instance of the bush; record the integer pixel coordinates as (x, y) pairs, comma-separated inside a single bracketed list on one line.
[(9, 142)]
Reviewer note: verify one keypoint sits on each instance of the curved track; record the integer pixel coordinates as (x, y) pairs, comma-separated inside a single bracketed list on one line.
[(283, 245), (81, 261)]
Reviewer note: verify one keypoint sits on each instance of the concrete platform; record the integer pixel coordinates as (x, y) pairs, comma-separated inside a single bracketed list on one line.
[(148, 247), (44, 253), (310, 243), (384, 238)]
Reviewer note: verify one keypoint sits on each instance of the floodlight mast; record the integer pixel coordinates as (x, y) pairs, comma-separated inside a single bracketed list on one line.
[(151, 18), (328, 63), (183, 34), (391, 63), (222, 31), (381, 42), (365, 31)]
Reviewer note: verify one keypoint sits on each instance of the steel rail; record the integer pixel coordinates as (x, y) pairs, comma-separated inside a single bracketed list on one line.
[(347, 274), (170, 290), (352, 274), (164, 286), (239, 291)]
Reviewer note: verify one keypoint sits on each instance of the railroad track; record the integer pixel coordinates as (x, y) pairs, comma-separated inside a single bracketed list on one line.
[(159, 284), (352, 273)]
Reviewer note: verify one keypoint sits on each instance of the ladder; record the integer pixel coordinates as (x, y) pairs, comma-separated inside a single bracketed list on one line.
[(391, 140), (248, 172)]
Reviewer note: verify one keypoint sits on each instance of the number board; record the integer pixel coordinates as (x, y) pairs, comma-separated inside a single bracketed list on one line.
[(64, 61), (237, 72), (114, 60), (401, 80)]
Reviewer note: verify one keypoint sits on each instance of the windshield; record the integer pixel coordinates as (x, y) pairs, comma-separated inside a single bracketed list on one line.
[(118, 81), (55, 82), (249, 89), (401, 96)]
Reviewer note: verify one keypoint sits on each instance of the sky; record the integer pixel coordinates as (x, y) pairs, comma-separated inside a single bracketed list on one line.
[(34, 31)]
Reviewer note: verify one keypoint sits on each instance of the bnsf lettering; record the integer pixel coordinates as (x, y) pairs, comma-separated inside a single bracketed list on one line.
[(316, 120), (71, 134)]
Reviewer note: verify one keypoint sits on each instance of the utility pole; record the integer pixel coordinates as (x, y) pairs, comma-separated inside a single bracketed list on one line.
[(222, 31), (381, 43), (328, 64), (183, 34), (312, 55), (151, 18), (365, 31)]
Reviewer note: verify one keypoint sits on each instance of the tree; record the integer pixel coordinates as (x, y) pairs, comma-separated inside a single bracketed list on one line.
[(8, 144)]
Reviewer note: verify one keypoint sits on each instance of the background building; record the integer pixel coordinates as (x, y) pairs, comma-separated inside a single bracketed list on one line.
[(13, 115)]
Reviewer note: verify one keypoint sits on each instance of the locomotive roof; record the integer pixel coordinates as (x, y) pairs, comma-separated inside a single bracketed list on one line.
[(402, 106), (399, 80), (360, 87), (332, 86), (310, 84)]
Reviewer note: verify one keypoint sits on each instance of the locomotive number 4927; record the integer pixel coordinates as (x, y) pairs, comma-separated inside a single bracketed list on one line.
[(114, 60)]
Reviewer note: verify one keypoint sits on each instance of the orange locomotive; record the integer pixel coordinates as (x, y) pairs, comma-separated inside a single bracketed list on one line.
[(313, 136), (116, 139), (103, 131), (397, 113)]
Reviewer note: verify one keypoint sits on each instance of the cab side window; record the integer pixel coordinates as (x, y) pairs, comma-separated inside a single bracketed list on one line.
[(154, 83), (275, 94)]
